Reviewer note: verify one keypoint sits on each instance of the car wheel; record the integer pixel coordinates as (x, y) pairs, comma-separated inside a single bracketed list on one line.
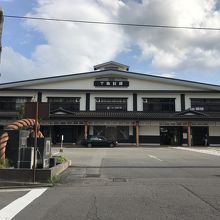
[(89, 145), (111, 145)]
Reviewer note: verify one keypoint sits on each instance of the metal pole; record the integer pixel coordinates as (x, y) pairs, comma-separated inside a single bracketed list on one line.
[(86, 130), (35, 141), (137, 134), (61, 143), (189, 134)]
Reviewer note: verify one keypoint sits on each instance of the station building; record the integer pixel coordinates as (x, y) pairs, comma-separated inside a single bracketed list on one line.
[(111, 101)]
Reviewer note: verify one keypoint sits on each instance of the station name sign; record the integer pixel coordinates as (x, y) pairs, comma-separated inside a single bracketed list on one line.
[(111, 83)]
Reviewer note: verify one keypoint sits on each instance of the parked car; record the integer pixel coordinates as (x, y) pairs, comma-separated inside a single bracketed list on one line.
[(98, 141)]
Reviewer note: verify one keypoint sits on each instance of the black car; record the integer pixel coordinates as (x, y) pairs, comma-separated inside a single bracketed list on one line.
[(98, 141)]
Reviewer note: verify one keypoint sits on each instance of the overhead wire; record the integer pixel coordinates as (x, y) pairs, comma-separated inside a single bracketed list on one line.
[(114, 23)]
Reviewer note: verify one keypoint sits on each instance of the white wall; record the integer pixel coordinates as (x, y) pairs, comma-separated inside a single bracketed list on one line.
[(19, 93), (150, 130), (214, 131), (85, 82)]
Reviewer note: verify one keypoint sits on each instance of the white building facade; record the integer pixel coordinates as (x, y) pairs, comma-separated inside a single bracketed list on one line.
[(132, 108)]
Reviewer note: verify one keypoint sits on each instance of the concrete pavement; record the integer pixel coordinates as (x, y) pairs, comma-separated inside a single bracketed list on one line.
[(132, 183)]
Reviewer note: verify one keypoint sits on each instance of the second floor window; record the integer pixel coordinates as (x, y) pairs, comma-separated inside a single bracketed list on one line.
[(111, 104), (210, 105), (67, 103), (158, 105), (13, 103)]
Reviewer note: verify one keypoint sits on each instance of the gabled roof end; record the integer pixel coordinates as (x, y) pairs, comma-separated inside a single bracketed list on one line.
[(111, 66)]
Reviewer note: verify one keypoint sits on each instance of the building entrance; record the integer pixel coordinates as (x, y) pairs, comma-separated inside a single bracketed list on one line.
[(199, 136), (71, 133), (119, 133), (171, 136)]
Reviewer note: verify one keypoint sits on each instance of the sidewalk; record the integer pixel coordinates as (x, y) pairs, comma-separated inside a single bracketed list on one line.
[(205, 150)]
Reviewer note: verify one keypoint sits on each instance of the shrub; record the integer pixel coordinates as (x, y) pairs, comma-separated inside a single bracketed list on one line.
[(61, 159), (4, 164), (53, 180)]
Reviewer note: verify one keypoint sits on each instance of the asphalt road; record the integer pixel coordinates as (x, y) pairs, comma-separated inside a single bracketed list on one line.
[(131, 183)]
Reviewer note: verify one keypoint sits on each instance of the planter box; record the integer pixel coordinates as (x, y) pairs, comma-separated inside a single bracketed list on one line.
[(26, 175)]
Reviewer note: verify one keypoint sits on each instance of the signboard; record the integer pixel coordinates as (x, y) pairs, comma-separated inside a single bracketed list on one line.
[(30, 110), (111, 83)]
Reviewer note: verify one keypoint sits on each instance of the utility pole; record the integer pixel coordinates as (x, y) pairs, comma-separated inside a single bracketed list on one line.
[(35, 140)]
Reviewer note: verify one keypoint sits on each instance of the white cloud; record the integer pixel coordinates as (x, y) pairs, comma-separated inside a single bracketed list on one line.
[(14, 66), (176, 50), (69, 47), (168, 75), (74, 47)]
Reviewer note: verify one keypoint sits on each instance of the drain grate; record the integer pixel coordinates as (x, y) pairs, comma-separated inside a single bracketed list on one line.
[(94, 175), (119, 180)]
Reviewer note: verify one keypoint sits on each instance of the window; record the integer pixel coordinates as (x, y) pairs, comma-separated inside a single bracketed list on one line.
[(111, 104), (211, 105), (13, 103), (158, 105), (67, 103)]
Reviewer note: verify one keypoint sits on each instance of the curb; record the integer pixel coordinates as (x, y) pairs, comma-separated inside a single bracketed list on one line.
[(15, 185)]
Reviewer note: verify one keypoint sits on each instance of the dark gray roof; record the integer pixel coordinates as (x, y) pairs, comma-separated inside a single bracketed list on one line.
[(141, 76), (137, 115)]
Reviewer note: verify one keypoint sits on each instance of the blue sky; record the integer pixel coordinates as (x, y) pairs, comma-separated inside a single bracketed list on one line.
[(26, 39), (33, 49)]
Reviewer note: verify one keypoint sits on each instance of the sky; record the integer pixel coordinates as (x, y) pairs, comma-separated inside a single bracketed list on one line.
[(35, 49)]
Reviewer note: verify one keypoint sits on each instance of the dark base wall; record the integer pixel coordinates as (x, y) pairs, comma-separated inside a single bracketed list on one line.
[(149, 139), (185, 141), (132, 139), (214, 140), (145, 139), (26, 175)]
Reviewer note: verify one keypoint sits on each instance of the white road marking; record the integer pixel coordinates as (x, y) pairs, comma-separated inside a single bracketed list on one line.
[(204, 151), (16, 206), (156, 158)]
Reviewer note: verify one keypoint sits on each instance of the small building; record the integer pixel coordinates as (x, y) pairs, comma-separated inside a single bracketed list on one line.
[(132, 108)]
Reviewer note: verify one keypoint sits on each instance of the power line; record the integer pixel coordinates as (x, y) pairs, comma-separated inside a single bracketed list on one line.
[(114, 23)]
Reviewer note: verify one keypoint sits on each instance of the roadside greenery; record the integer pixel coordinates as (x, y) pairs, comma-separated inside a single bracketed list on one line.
[(61, 159), (53, 180), (4, 164)]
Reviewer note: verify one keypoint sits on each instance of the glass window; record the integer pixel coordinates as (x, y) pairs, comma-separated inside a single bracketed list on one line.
[(13, 103), (158, 105), (67, 103), (111, 104), (211, 105)]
